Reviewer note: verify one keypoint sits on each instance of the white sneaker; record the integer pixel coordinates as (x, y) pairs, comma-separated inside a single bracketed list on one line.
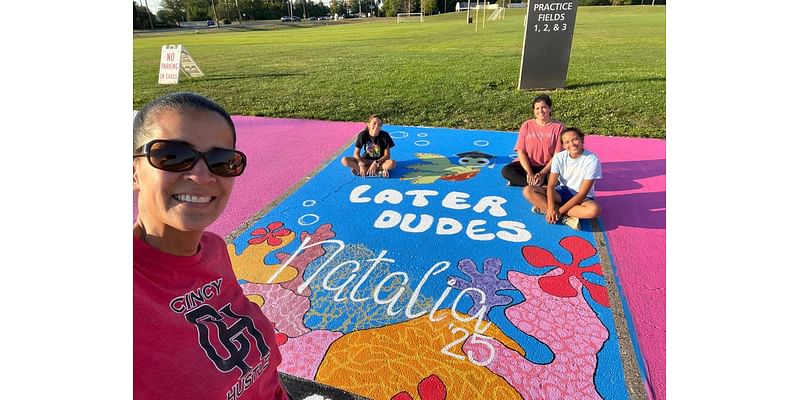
[(536, 210), (572, 222)]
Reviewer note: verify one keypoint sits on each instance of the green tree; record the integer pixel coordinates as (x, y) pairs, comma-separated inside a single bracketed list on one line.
[(198, 10), (174, 11), (319, 9), (141, 17), (430, 6), (337, 7), (352, 6), (391, 7)]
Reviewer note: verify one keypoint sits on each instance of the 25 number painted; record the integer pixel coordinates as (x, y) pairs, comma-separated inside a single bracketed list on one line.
[(474, 339)]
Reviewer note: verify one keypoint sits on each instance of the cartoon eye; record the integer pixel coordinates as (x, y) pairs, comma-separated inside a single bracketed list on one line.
[(464, 160), (482, 161)]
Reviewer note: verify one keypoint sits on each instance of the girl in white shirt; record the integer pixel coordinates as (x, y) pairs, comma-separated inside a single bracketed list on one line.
[(569, 195)]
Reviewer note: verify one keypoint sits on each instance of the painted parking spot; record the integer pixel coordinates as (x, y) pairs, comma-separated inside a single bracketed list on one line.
[(438, 279)]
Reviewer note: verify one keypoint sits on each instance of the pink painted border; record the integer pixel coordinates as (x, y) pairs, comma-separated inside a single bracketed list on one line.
[(633, 196)]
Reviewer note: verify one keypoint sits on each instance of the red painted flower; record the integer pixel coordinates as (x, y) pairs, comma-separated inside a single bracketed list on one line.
[(430, 388), (558, 285), (272, 234)]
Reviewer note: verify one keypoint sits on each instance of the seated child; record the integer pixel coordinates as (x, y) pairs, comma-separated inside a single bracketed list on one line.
[(376, 159), (569, 195)]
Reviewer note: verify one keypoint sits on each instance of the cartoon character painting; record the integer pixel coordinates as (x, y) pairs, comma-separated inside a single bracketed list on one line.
[(438, 167)]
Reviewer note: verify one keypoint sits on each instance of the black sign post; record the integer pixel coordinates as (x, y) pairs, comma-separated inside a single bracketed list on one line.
[(548, 40)]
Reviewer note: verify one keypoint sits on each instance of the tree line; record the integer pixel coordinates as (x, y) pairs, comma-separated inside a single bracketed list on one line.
[(173, 12)]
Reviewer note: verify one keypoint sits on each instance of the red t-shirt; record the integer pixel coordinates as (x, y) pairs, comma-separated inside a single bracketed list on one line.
[(195, 335), (539, 142)]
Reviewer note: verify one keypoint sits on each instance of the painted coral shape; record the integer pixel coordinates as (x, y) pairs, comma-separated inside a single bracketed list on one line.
[(272, 234), (567, 325), (487, 281), (307, 256), (302, 355), (250, 264), (558, 284), (430, 388), (282, 306), (382, 362)]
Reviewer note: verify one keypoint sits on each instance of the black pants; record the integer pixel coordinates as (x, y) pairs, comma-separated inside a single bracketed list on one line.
[(515, 174)]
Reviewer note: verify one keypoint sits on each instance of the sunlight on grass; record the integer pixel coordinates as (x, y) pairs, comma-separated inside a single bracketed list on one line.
[(438, 73)]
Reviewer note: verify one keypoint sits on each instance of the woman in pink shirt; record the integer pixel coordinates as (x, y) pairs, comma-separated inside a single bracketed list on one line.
[(538, 141)]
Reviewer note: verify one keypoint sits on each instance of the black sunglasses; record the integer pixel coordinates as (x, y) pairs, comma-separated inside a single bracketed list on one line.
[(178, 156)]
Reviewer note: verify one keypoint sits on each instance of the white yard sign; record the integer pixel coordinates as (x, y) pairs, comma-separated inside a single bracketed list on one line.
[(174, 59)]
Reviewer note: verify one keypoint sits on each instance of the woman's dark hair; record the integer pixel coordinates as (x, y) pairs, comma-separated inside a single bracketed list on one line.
[(173, 101), (571, 129), (542, 97), (373, 116)]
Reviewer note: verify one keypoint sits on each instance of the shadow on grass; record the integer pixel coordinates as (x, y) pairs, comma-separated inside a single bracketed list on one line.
[(246, 76), (592, 84)]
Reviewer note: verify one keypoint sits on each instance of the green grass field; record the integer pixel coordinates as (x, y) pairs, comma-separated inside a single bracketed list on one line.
[(439, 73)]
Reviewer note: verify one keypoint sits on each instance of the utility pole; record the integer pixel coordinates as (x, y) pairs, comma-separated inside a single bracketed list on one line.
[(149, 18), (216, 20), (305, 15), (240, 11)]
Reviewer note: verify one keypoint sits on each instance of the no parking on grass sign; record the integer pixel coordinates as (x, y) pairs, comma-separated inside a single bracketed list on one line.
[(175, 58)]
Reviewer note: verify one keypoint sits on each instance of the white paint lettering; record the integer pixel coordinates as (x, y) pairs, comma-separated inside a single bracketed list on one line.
[(448, 226), (456, 201), (387, 219), (520, 234), (474, 232), (355, 195), (425, 222), (494, 204), (419, 196)]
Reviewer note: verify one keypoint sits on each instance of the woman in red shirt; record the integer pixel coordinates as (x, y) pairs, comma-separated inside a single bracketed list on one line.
[(195, 335)]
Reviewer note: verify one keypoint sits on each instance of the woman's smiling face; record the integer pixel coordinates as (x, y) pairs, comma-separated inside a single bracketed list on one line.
[(186, 201)]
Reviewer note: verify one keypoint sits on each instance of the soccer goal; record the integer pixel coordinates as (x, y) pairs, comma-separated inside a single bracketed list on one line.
[(409, 17)]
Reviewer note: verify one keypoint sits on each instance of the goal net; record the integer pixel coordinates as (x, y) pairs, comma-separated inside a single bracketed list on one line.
[(409, 17)]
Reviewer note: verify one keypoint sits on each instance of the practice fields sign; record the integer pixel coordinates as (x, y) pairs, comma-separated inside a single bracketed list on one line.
[(173, 60), (548, 40)]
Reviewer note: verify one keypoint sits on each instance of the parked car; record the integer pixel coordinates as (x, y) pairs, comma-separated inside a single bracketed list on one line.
[(312, 19), (295, 18), (324, 17), (210, 23), (286, 18)]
